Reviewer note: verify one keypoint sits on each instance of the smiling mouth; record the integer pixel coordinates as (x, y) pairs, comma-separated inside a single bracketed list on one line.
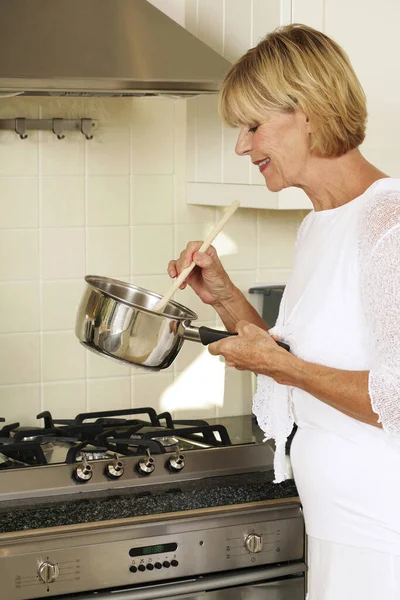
[(262, 164)]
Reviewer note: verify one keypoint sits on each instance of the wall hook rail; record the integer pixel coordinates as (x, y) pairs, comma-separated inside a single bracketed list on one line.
[(57, 126)]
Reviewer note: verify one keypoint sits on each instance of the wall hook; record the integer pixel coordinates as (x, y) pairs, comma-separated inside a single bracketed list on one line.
[(86, 128), (57, 128), (20, 128)]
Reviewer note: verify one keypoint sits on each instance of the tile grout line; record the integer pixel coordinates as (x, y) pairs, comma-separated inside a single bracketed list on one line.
[(40, 269), (174, 163), (85, 198), (131, 202), (221, 124)]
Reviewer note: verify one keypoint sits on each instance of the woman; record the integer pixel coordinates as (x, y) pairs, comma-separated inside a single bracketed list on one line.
[(302, 115)]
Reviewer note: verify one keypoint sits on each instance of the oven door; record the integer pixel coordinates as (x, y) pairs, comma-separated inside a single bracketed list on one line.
[(282, 582), (284, 589)]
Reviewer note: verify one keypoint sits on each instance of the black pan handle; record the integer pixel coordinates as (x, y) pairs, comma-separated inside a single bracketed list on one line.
[(208, 336)]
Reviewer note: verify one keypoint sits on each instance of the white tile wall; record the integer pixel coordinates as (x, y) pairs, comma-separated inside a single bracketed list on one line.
[(19, 202), (116, 206)]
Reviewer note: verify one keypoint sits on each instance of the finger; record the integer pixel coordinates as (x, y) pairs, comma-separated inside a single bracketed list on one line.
[(171, 269), (194, 245), (214, 348), (207, 260), (190, 250), (203, 260), (184, 260), (186, 256)]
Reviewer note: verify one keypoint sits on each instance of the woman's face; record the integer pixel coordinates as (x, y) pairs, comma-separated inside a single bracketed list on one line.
[(279, 147)]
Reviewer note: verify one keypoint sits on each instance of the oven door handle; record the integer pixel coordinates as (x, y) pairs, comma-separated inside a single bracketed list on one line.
[(203, 584)]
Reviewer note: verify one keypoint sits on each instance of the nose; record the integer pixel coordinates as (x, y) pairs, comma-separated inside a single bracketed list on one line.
[(243, 144)]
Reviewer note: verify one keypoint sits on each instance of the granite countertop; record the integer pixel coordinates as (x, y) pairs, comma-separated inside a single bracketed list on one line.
[(100, 506)]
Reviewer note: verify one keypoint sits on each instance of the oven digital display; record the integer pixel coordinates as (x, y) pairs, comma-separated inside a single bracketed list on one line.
[(159, 549)]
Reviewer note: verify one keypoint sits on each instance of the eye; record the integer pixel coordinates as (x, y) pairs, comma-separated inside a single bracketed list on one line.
[(253, 129)]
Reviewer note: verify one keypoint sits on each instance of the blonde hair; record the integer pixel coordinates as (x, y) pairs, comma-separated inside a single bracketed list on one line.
[(298, 67)]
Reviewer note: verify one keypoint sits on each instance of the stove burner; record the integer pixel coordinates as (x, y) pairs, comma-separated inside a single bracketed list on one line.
[(101, 435)]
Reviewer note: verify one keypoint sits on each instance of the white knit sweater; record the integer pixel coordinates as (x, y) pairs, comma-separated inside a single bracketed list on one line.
[(341, 307)]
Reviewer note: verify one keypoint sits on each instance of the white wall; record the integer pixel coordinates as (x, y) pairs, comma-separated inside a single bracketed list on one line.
[(113, 206)]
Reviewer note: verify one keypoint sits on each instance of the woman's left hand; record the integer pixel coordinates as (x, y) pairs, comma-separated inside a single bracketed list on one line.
[(253, 349)]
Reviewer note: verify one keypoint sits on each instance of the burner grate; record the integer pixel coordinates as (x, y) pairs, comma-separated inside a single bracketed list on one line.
[(118, 432)]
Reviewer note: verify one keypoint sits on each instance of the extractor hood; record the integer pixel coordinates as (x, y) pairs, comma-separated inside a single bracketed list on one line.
[(101, 47)]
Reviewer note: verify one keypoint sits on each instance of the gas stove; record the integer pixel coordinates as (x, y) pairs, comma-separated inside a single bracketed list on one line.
[(135, 502), (102, 434), (112, 449)]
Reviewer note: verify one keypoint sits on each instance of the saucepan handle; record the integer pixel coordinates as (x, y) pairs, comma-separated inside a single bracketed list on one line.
[(208, 336)]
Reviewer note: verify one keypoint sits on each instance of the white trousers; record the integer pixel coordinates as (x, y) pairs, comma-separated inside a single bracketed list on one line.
[(339, 572)]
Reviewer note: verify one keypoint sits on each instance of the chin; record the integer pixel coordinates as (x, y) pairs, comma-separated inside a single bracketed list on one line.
[(274, 186)]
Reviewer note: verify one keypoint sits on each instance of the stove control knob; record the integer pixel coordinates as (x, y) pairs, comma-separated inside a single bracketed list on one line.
[(253, 543), (115, 469), (146, 465), (176, 462), (48, 572), (83, 472)]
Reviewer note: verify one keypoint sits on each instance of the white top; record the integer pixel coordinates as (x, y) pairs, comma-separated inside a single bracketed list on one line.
[(341, 309)]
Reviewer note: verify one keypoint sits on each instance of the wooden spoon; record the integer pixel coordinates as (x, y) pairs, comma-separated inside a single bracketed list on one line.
[(162, 303)]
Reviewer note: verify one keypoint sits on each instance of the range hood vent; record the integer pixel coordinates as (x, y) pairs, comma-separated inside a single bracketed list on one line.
[(101, 48)]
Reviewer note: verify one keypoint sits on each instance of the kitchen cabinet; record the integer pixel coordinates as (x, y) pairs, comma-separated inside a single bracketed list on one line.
[(215, 175)]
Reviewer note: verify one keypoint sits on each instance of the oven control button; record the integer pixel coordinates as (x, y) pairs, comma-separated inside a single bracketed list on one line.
[(48, 572), (166, 564), (174, 563), (133, 569), (146, 465), (158, 565), (149, 566), (176, 461), (253, 543), (142, 568), (83, 472), (114, 469)]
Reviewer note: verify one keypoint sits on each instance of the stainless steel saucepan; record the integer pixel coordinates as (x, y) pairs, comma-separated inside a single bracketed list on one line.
[(117, 320)]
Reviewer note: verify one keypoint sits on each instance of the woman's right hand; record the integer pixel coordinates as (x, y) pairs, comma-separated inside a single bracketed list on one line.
[(209, 280)]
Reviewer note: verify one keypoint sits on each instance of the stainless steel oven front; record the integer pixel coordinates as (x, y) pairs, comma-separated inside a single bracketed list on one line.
[(242, 585), (248, 551)]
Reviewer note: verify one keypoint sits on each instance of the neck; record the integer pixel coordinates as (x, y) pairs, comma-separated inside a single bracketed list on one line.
[(332, 182)]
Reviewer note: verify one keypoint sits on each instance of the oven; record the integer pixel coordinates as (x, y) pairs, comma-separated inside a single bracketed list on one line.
[(201, 520), (246, 551)]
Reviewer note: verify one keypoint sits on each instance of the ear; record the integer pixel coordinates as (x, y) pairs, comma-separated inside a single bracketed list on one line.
[(304, 120), (308, 125)]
